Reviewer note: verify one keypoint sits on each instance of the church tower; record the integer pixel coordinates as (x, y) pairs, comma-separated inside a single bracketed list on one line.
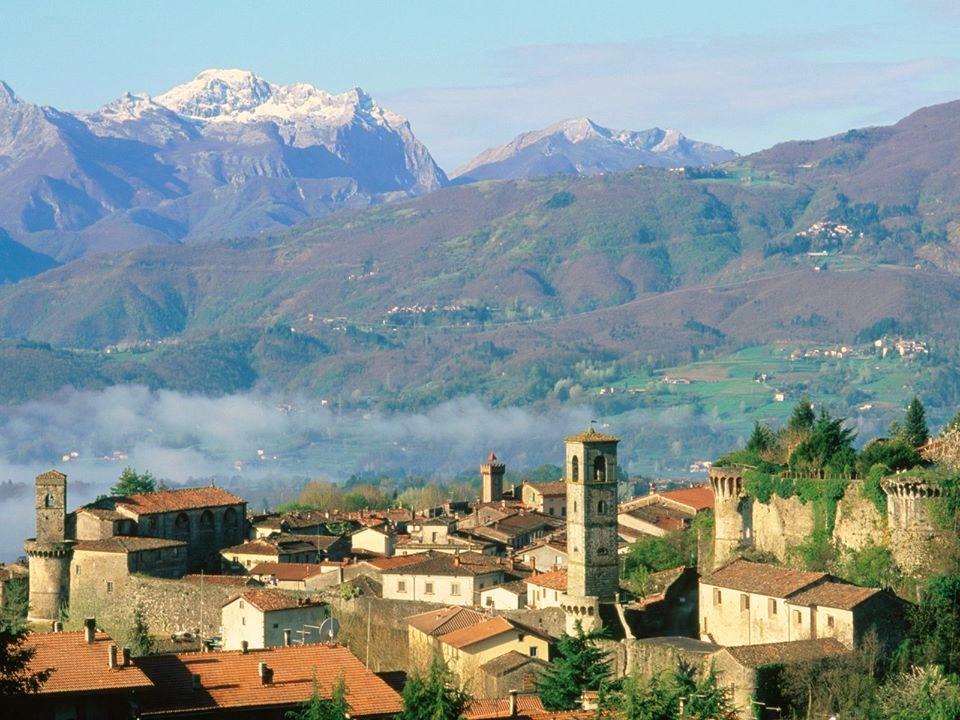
[(491, 480), (50, 551), (593, 573)]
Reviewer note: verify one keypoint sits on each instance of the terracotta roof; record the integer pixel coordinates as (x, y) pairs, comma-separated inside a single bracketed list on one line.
[(549, 488), (127, 544), (699, 498), (787, 652), (79, 666), (389, 563), (181, 499), (465, 637), (508, 662), (468, 563), (762, 579), (320, 542), (663, 516), (517, 587), (842, 596), (253, 547), (591, 435), (230, 680), (290, 571), (268, 600), (529, 705), (228, 580), (103, 513), (446, 620), (553, 580)]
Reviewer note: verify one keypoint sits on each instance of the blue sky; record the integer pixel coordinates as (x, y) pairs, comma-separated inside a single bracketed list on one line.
[(469, 75)]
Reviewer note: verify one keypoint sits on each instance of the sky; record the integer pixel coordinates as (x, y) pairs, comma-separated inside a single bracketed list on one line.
[(470, 75)]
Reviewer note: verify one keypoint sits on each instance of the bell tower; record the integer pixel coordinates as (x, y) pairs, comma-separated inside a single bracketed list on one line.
[(593, 573), (491, 479), (50, 551)]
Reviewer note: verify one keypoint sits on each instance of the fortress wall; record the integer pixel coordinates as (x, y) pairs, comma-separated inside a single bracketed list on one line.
[(858, 522), (779, 525)]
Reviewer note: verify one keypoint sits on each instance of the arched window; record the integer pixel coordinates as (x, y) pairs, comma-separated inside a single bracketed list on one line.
[(230, 519), (206, 521), (600, 469), (181, 526), (48, 500), (575, 469)]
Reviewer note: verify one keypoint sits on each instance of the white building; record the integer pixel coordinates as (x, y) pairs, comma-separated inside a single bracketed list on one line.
[(270, 618)]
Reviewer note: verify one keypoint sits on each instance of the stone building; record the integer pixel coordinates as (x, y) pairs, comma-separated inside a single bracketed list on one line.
[(50, 551), (549, 498), (442, 578), (491, 479), (100, 566), (914, 536), (592, 566), (262, 618)]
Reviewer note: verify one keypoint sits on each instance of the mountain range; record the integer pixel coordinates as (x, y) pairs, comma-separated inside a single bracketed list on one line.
[(229, 153), (511, 289)]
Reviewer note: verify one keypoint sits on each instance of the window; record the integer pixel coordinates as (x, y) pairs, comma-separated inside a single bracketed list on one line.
[(601, 507), (454, 588), (401, 586), (533, 651), (705, 625), (48, 501), (428, 588), (243, 621), (600, 469), (276, 626), (76, 570), (550, 510), (797, 619), (717, 597), (489, 602), (109, 586), (241, 604), (829, 621), (744, 602), (771, 607), (563, 511), (575, 469)]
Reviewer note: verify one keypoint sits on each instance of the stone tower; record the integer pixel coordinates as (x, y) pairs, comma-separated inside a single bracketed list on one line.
[(593, 574), (491, 479), (728, 535), (50, 551), (914, 536)]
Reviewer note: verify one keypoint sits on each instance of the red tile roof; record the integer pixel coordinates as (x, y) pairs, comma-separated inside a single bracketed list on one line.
[(79, 666), (699, 498), (464, 564), (389, 563), (549, 488), (291, 571), (268, 600), (180, 499), (784, 652), (553, 580), (231, 681), (509, 662), (446, 620), (500, 707), (834, 595), (127, 544), (471, 635), (763, 579)]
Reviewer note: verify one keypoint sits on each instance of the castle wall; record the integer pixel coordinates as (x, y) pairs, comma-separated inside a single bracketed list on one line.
[(858, 522), (49, 579), (779, 525)]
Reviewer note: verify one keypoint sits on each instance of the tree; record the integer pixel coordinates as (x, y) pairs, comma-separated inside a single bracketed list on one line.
[(16, 677), (660, 697), (16, 604), (320, 708), (915, 431), (580, 665), (935, 624), (661, 553), (803, 417), (828, 449), (761, 439), (433, 696), (131, 483), (140, 636), (923, 693)]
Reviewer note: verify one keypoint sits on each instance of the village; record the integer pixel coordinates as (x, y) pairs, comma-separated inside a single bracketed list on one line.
[(270, 603)]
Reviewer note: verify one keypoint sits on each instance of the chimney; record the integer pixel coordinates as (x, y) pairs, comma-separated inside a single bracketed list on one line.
[(456, 560), (126, 657), (533, 565), (513, 703), (286, 637), (57, 626), (244, 646), (112, 656), (195, 681), (266, 674), (89, 630)]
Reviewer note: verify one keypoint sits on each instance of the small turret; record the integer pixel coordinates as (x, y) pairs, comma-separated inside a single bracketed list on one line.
[(491, 479), (50, 551), (728, 536)]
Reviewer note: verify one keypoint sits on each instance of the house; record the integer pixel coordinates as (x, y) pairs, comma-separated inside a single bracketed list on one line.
[(207, 519), (511, 671), (424, 628), (284, 548), (260, 684), (511, 595), (746, 603), (546, 590), (549, 498), (90, 677), (294, 576), (264, 617), (443, 578), (518, 530), (660, 513), (468, 649), (549, 552), (432, 531), (451, 544), (308, 522), (374, 539), (99, 566)]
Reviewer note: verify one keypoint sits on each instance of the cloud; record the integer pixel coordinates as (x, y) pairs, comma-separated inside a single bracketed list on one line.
[(746, 93)]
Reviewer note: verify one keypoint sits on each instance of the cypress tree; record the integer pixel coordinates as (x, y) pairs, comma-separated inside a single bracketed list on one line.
[(434, 696), (803, 416), (915, 431), (579, 665), (320, 708)]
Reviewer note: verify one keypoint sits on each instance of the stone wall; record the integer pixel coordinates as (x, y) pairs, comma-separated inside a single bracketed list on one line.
[(858, 522), (779, 525)]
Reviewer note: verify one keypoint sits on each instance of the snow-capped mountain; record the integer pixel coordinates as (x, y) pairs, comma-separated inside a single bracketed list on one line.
[(581, 147), (225, 153)]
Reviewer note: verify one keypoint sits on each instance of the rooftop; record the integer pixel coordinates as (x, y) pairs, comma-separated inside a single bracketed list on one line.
[(446, 620), (842, 596), (762, 579), (269, 600), (508, 662), (591, 436), (180, 499), (468, 563), (478, 632), (549, 488), (127, 544), (553, 580), (699, 498), (289, 571), (786, 652), (398, 561), (79, 666), (231, 680), (529, 705)]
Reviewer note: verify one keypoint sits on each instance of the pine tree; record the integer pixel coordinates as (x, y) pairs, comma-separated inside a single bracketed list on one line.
[(803, 416), (131, 482), (433, 696), (761, 439), (915, 431), (320, 708), (579, 665), (142, 642)]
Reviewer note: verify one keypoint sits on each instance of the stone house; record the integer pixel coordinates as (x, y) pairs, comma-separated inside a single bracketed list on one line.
[(374, 539), (511, 595), (424, 628), (445, 579), (518, 530), (546, 590), (660, 513), (101, 566), (449, 543), (745, 603), (549, 498), (264, 617)]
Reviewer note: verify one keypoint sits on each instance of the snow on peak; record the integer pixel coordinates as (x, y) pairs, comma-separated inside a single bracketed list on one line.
[(671, 140), (241, 96), (129, 106)]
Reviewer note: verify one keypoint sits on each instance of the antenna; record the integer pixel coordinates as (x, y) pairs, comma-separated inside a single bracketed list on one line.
[(329, 629)]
